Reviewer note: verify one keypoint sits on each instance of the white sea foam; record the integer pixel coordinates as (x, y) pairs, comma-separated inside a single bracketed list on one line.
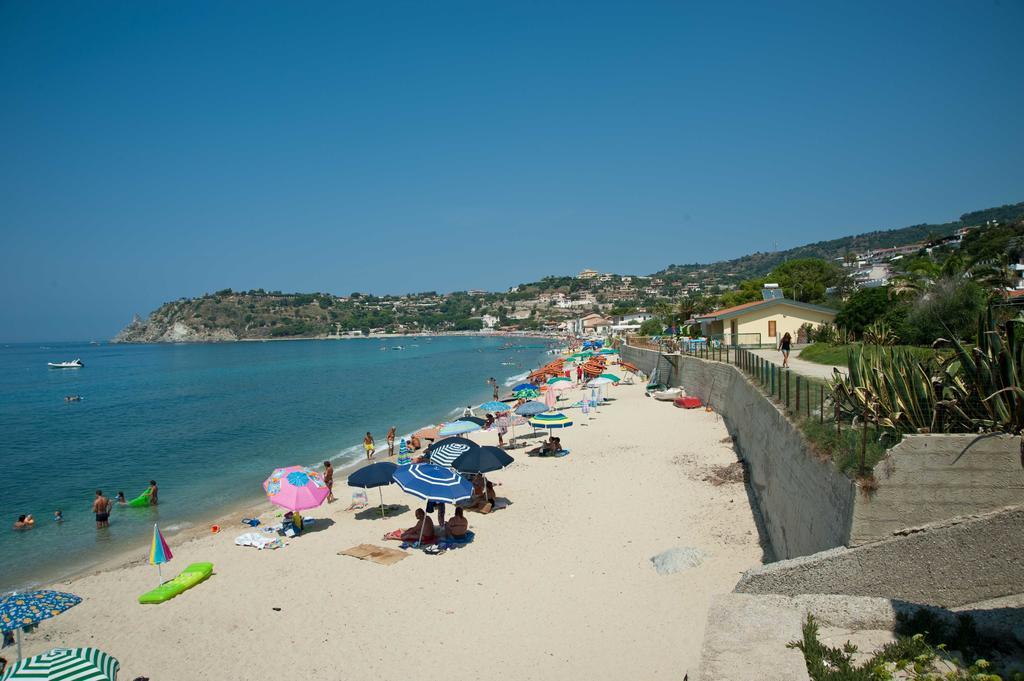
[(515, 380)]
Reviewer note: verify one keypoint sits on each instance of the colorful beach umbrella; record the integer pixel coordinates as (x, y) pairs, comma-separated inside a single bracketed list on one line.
[(66, 664), (598, 382), (551, 420), (607, 351), (494, 406), (564, 384), (159, 552), (524, 386), (377, 475), (558, 379), (20, 610), (444, 452), (611, 377), (403, 453), (458, 428), (526, 394), (296, 488)]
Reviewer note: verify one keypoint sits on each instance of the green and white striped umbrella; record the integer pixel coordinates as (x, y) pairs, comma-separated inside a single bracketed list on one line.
[(66, 664)]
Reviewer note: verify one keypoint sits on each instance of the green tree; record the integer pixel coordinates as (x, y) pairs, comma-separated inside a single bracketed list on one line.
[(806, 279), (652, 327), (864, 307)]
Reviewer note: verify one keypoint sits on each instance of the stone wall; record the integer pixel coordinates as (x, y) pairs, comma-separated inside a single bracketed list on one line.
[(949, 563), (930, 477), (805, 503)]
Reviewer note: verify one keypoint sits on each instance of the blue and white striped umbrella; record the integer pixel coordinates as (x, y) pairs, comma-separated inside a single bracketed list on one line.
[(458, 428), (494, 406), (433, 483), (444, 452)]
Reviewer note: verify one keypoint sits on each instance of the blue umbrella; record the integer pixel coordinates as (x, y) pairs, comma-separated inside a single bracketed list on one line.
[(20, 610), (482, 460), (531, 408), (444, 452), (433, 483), (524, 386), (458, 428), (375, 475), (494, 406)]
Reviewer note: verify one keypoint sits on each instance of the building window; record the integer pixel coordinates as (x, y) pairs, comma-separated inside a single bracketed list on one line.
[(771, 328)]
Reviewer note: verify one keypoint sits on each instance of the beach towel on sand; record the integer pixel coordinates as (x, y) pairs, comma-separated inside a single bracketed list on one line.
[(374, 554)]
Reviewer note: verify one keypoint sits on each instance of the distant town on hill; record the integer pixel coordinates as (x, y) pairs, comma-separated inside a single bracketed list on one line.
[(558, 303)]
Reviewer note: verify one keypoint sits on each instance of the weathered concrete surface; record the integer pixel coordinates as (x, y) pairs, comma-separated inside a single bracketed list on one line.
[(806, 504), (745, 638), (926, 478), (745, 635), (950, 563)]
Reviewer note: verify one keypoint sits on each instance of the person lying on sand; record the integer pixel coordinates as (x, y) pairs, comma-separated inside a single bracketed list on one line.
[(423, 523), (458, 525), (25, 522)]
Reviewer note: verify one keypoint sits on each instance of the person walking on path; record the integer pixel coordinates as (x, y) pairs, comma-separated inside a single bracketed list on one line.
[(329, 480), (101, 508), (784, 345), (369, 446), (391, 441)]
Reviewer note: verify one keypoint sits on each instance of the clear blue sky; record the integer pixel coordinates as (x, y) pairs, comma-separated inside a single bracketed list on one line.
[(152, 150)]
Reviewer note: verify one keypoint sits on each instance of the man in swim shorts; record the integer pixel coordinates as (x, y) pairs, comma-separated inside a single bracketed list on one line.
[(101, 507)]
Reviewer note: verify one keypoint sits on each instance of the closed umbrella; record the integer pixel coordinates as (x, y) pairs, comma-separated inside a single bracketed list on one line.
[(21, 610), (66, 664), (159, 552), (432, 483), (444, 452), (377, 475)]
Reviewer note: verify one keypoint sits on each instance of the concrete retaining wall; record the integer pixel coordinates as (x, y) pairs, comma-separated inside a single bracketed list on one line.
[(929, 477), (807, 505), (950, 563)]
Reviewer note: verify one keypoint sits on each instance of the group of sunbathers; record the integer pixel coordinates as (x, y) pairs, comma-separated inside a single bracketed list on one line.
[(426, 532), (552, 446)]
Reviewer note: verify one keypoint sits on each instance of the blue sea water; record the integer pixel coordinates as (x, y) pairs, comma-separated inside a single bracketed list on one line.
[(209, 422)]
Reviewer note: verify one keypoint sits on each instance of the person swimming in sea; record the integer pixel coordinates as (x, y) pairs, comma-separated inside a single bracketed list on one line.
[(121, 498)]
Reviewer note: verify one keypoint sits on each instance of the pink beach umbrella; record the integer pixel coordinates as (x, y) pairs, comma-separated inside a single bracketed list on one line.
[(296, 488)]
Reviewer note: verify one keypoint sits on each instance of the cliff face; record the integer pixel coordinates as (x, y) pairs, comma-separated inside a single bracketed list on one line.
[(158, 331)]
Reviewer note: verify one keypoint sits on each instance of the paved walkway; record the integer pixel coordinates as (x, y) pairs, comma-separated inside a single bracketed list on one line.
[(800, 366)]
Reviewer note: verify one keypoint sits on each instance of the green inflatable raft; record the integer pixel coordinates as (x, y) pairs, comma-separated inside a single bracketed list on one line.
[(140, 501), (189, 577)]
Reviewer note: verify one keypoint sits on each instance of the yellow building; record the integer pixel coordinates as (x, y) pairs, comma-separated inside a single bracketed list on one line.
[(762, 322)]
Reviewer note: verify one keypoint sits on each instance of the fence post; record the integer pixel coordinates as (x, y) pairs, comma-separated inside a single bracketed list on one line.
[(839, 424), (773, 379), (821, 402), (798, 394), (807, 382), (864, 441), (787, 390)]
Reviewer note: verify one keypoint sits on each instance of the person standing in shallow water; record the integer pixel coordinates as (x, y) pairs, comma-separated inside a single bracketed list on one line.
[(329, 480), (101, 508), (391, 441), (369, 446), (785, 345), (152, 491)]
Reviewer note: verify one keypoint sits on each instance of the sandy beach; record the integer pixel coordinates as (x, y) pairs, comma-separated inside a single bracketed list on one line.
[(558, 584)]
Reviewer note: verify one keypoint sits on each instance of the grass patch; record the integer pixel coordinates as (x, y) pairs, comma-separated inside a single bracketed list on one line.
[(843, 448), (836, 355)]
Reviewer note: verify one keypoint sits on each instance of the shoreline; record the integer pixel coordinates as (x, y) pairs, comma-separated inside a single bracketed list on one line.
[(372, 336), (566, 558)]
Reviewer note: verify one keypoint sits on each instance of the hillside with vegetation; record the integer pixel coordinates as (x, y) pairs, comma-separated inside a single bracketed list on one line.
[(810, 273)]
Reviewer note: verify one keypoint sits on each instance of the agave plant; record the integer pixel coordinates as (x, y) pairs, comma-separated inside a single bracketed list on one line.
[(983, 386), (880, 333), (892, 388)]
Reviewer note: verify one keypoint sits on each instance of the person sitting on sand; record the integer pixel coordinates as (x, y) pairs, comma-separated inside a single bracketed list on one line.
[(423, 525), (414, 443), (25, 522), (488, 422), (121, 498), (483, 496), (457, 526)]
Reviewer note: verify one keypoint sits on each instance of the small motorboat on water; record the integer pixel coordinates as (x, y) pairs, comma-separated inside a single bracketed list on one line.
[(73, 364), (73, 398)]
